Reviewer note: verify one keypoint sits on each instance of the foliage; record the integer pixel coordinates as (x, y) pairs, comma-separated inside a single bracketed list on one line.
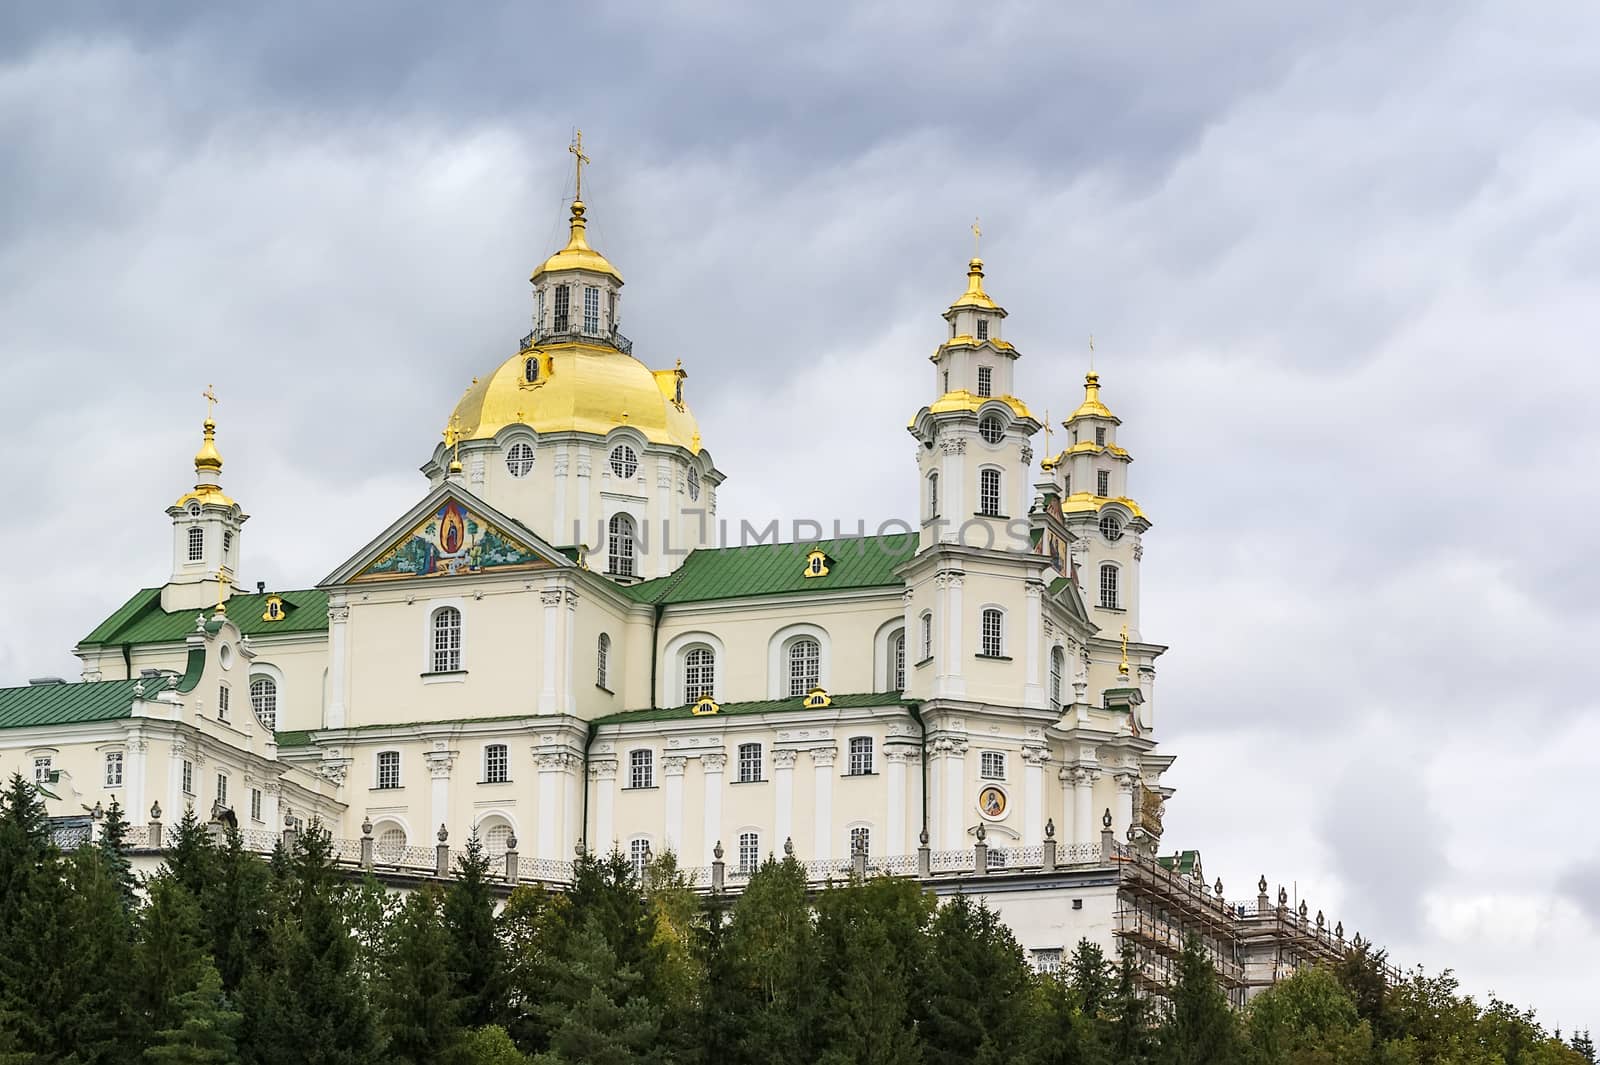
[(477, 958)]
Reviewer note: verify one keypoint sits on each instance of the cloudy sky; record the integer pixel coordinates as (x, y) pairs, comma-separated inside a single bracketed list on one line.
[(1338, 265)]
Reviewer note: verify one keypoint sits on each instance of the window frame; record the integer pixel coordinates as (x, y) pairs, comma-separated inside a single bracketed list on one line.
[(623, 461), (925, 631), (561, 310), (445, 648), (602, 662), (992, 765), (749, 763), (196, 544), (1058, 669), (897, 660), (622, 545), (382, 780), (992, 429), (224, 701), (492, 773), (591, 310), (1113, 586), (863, 831), (860, 751), (695, 686), (933, 495), (638, 847), (222, 790), (804, 652), (265, 700), (255, 805), (186, 777), (991, 492), (749, 852), (519, 457), (986, 381), (992, 644), (983, 329), (641, 767), (1102, 483), (118, 760)]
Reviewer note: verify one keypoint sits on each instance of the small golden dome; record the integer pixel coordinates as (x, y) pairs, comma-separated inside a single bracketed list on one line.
[(577, 255), (975, 296), (208, 458), (586, 388), (1091, 406)]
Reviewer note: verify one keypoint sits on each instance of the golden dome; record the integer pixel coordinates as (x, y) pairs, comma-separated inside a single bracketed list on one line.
[(208, 458), (1091, 406), (975, 296), (585, 388), (577, 255)]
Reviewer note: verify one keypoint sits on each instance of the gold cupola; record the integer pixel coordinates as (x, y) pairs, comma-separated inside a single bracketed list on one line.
[(975, 296), (577, 255), (1091, 407), (207, 465), (208, 459)]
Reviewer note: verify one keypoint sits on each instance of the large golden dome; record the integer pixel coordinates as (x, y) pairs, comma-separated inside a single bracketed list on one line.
[(586, 388)]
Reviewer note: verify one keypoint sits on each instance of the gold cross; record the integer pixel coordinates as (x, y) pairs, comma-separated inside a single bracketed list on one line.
[(452, 435), (977, 235), (210, 395), (1091, 353), (576, 148), (1123, 669), (1047, 433)]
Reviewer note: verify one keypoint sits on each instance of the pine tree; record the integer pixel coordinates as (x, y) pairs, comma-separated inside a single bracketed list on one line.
[(1126, 1030), (533, 922), (96, 1025), (190, 853), (1200, 1028), (1090, 975), (1061, 1034), (419, 1008), (32, 897), (230, 900), (1584, 1045), (205, 1032), (595, 1016), (114, 850), (775, 997), (169, 955), (674, 973), (490, 1046), (476, 955), (870, 935), (1362, 973), (976, 987)]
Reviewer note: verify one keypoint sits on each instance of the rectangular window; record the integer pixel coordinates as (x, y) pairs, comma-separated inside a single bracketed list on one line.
[(1109, 592), (197, 544), (985, 381), (1047, 960), (538, 312), (611, 311), (561, 309), (993, 633), (992, 765), (222, 789), (223, 700), (188, 777), (983, 330), (1066, 484), (255, 804), (749, 852), (113, 769), (447, 640), (860, 756), (41, 770), (591, 310), (989, 493), (388, 769), (641, 769), (496, 764), (1100, 436), (749, 762), (927, 637), (1102, 482)]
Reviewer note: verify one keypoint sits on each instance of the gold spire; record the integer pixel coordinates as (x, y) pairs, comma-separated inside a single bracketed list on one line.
[(452, 440), (975, 296), (1091, 407), (576, 148), (1123, 668), (578, 255), (977, 235), (1047, 463), (208, 459)]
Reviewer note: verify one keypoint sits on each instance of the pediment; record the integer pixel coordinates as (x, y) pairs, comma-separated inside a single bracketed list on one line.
[(450, 533)]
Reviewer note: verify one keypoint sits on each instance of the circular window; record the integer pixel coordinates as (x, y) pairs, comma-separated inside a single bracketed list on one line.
[(225, 656), (1111, 527), (519, 459), (992, 429), (194, 510), (624, 463), (694, 483)]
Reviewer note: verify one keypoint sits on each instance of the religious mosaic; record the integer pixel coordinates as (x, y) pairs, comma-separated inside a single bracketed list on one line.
[(452, 540)]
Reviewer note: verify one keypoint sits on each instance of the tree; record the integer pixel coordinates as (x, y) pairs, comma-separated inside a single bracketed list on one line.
[(169, 954), (870, 935), (594, 1015), (1090, 975), (774, 997), (1308, 1019), (1126, 1030), (33, 896), (532, 925), (113, 847), (190, 852), (490, 1046), (420, 1008), (94, 1023), (975, 988), (1584, 1045), (1062, 1034), (205, 1030), (1200, 1028), (1363, 973), (477, 958), (230, 900)]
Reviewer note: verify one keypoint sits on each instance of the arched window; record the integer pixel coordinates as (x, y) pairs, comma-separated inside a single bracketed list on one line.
[(992, 429), (619, 545), (530, 369), (602, 662), (693, 481), (699, 674), (624, 462), (933, 495), (749, 852), (897, 661), (1110, 594), (390, 844), (496, 764), (805, 665), (860, 840), (639, 855), (197, 543), (1058, 666), (446, 640), (927, 636), (519, 457), (264, 701), (989, 493), (497, 838), (993, 633)]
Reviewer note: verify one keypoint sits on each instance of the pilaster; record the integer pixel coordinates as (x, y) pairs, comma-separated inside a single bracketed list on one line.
[(783, 760), (822, 759), (712, 764), (672, 767)]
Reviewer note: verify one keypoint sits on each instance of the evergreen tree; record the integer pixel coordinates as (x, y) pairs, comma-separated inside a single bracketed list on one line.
[(32, 898), (607, 890), (774, 1000), (205, 1030), (190, 852), (1090, 975), (1126, 1029), (230, 899), (490, 1046), (1308, 1019), (595, 1016), (1584, 1045), (420, 1009), (1061, 1033), (309, 1006), (96, 1024), (114, 850), (477, 958), (1362, 973), (169, 955), (532, 924), (674, 973), (718, 1018), (1200, 1028), (870, 935), (975, 996)]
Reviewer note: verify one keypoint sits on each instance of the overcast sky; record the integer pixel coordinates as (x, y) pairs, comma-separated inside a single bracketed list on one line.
[(1341, 269)]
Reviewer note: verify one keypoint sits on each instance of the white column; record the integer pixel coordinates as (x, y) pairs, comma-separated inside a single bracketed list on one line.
[(440, 760), (822, 823), (1083, 806), (584, 488), (672, 768), (603, 775), (783, 794), (173, 807), (1033, 694), (896, 759), (571, 807), (1122, 811), (548, 806), (955, 785), (551, 598), (272, 806), (569, 632), (955, 677), (1067, 827), (135, 810), (1033, 760), (952, 489), (338, 662), (656, 536), (558, 502), (711, 765)]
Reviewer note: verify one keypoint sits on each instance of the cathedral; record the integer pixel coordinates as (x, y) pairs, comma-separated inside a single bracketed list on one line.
[(556, 648)]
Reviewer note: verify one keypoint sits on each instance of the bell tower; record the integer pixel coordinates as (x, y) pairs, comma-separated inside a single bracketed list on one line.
[(205, 531)]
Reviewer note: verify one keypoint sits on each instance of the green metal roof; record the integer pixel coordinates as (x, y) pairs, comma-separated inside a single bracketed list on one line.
[(301, 738), (763, 706), (72, 704), (779, 569), (141, 619)]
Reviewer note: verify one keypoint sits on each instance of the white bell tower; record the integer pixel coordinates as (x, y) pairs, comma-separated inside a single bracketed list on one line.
[(205, 533)]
